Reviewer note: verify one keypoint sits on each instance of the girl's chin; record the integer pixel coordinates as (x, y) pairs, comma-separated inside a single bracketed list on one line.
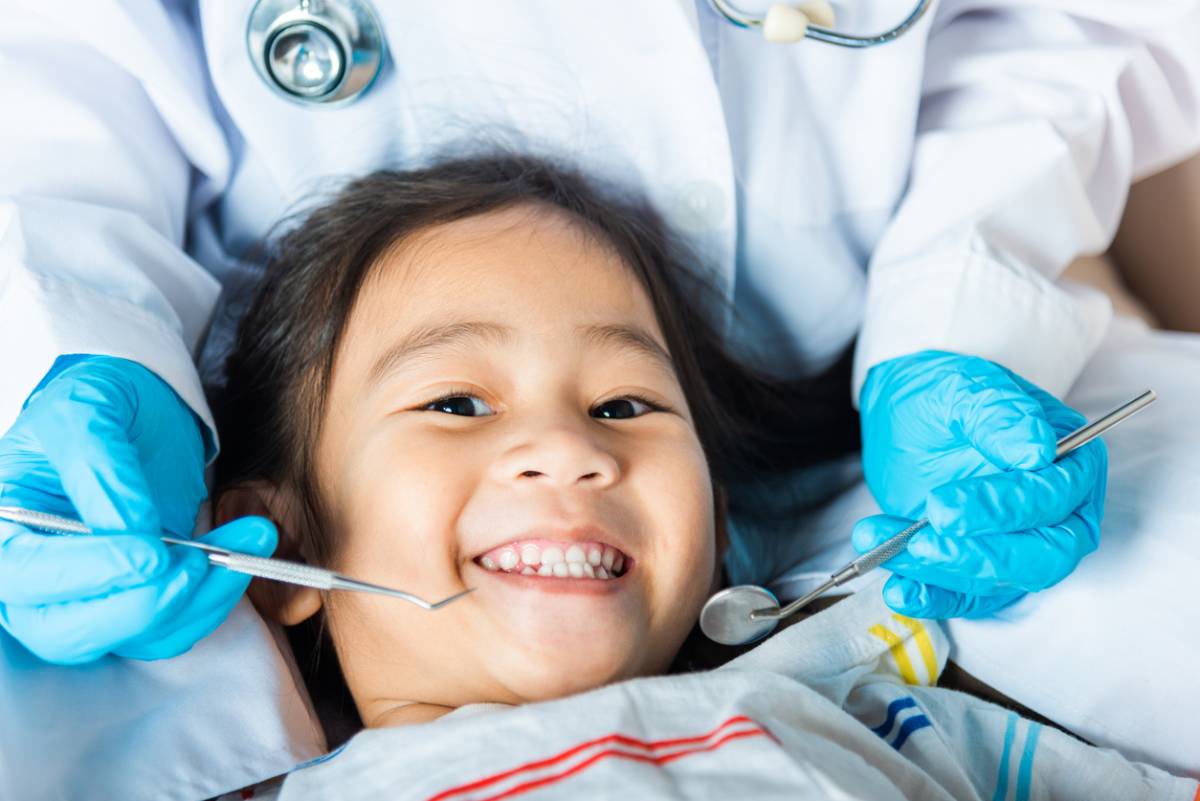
[(549, 660), (570, 677)]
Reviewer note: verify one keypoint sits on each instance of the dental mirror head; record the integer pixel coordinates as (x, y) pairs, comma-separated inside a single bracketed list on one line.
[(726, 618)]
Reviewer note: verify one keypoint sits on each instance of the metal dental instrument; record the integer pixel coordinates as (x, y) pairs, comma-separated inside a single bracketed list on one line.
[(743, 614), (249, 564)]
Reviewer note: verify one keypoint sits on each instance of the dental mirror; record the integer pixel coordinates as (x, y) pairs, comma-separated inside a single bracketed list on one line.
[(727, 616)]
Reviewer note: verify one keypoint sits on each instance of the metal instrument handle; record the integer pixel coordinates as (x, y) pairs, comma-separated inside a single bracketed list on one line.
[(874, 558), (278, 569)]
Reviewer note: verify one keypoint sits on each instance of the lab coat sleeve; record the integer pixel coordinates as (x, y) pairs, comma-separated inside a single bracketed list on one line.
[(1034, 120), (107, 137)]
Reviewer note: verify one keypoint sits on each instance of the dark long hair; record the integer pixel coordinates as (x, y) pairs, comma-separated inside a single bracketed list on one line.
[(271, 404)]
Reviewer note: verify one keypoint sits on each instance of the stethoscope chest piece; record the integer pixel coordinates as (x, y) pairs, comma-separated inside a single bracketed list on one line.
[(323, 52)]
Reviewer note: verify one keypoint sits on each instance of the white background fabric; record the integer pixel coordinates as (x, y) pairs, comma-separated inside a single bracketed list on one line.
[(222, 716)]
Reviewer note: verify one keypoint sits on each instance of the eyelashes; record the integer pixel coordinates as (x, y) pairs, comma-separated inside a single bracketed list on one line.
[(609, 409), (461, 403)]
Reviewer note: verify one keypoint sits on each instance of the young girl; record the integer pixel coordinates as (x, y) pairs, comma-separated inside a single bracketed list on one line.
[(486, 374)]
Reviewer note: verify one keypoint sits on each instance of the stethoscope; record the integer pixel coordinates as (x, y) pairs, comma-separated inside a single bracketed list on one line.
[(326, 53), (319, 52)]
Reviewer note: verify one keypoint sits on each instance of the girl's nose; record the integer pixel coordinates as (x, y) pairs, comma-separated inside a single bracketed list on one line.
[(560, 457)]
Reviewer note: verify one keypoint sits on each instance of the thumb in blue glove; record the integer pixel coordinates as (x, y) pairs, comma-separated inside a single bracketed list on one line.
[(216, 592)]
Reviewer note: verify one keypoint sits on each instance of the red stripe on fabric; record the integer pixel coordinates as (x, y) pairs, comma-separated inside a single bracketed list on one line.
[(574, 750), (651, 745), (612, 752)]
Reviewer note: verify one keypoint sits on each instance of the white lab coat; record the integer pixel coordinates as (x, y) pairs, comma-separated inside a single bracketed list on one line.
[(926, 192)]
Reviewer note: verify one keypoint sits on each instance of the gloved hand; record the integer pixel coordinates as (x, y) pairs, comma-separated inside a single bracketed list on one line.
[(970, 445), (107, 441)]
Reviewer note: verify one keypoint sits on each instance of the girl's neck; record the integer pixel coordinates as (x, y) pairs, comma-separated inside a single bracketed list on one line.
[(407, 714)]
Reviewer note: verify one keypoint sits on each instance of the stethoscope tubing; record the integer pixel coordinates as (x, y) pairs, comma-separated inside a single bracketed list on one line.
[(827, 35)]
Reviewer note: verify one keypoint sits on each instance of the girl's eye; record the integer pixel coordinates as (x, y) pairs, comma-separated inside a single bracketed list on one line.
[(625, 408), (462, 405)]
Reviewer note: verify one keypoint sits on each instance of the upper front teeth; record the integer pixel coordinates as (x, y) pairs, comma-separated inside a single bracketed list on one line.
[(587, 560)]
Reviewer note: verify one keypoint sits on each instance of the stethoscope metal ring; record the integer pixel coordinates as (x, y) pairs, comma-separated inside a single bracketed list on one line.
[(742, 20), (321, 53)]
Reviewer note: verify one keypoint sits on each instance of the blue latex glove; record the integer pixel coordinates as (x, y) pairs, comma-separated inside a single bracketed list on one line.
[(107, 441), (970, 445)]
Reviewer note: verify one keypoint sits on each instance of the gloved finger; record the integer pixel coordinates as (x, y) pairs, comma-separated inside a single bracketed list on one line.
[(37, 569), (76, 632), (82, 430), (871, 532), (1020, 499), (1000, 419), (252, 534), (179, 640), (217, 594), (983, 565), (1062, 417), (915, 599), (28, 481), (1028, 560)]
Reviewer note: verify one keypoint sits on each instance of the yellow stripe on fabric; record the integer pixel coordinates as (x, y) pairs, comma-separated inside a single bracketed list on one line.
[(896, 645), (924, 644)]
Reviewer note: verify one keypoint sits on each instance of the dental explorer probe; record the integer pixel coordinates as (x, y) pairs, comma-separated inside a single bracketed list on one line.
[(248, 564), (743, 614)]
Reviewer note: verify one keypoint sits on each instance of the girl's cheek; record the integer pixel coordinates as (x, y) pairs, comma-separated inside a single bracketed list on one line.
[(405, 504)]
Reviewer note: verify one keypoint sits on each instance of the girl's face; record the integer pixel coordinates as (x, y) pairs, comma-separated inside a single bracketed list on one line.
[(504, 415)]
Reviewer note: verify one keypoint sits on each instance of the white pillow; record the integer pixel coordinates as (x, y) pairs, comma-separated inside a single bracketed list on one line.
[(230, 712)]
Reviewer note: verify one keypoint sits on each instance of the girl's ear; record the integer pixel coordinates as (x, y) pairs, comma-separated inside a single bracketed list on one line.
[(287, 604)]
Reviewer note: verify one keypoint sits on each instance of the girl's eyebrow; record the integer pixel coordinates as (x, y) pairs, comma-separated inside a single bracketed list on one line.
[(424, 340), (630, 338)]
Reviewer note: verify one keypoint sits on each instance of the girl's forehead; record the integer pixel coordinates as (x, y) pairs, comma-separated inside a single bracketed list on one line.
[(531, 267)]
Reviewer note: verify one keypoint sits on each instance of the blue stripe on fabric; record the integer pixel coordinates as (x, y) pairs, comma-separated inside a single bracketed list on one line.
[(894, 708), (1025, 771), (322, 757), (914, 723), (1010, 731)]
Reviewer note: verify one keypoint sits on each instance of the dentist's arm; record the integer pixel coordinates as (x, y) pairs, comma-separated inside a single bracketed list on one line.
[(108, 136), (1035, 119)]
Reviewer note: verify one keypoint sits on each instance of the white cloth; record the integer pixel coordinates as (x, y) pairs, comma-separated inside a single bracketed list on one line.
[(1108, 652), (225, 714), (964, 163), (834, 707)]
